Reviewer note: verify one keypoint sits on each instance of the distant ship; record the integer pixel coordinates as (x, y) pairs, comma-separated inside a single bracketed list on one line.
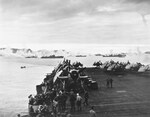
[(98, 54), (115, 55), (31, 57), (52, 56), (148, 52), (80, 55)]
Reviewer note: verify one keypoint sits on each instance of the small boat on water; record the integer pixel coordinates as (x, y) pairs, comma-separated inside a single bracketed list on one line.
[(23, 67)]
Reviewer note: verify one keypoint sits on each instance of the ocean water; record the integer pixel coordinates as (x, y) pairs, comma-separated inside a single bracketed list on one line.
[(17, 84)]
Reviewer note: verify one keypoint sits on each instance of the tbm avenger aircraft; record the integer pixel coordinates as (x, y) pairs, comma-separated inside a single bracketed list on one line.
[(67, 77)]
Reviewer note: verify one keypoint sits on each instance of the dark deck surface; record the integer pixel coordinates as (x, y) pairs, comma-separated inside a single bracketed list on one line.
[(129, 97)]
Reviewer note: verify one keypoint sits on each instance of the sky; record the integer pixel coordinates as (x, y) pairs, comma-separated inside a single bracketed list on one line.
[(75, 24)]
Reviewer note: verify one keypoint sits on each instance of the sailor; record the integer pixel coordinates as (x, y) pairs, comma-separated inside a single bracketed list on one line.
[(86, 97), (31, 111), (60, 99), (64, 99), (54, 107), (53, 94), (92, 112), (31, 99), (78, 102), (72, 100), (67, 114), (107, 82), (111, 82), (40, 108)]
